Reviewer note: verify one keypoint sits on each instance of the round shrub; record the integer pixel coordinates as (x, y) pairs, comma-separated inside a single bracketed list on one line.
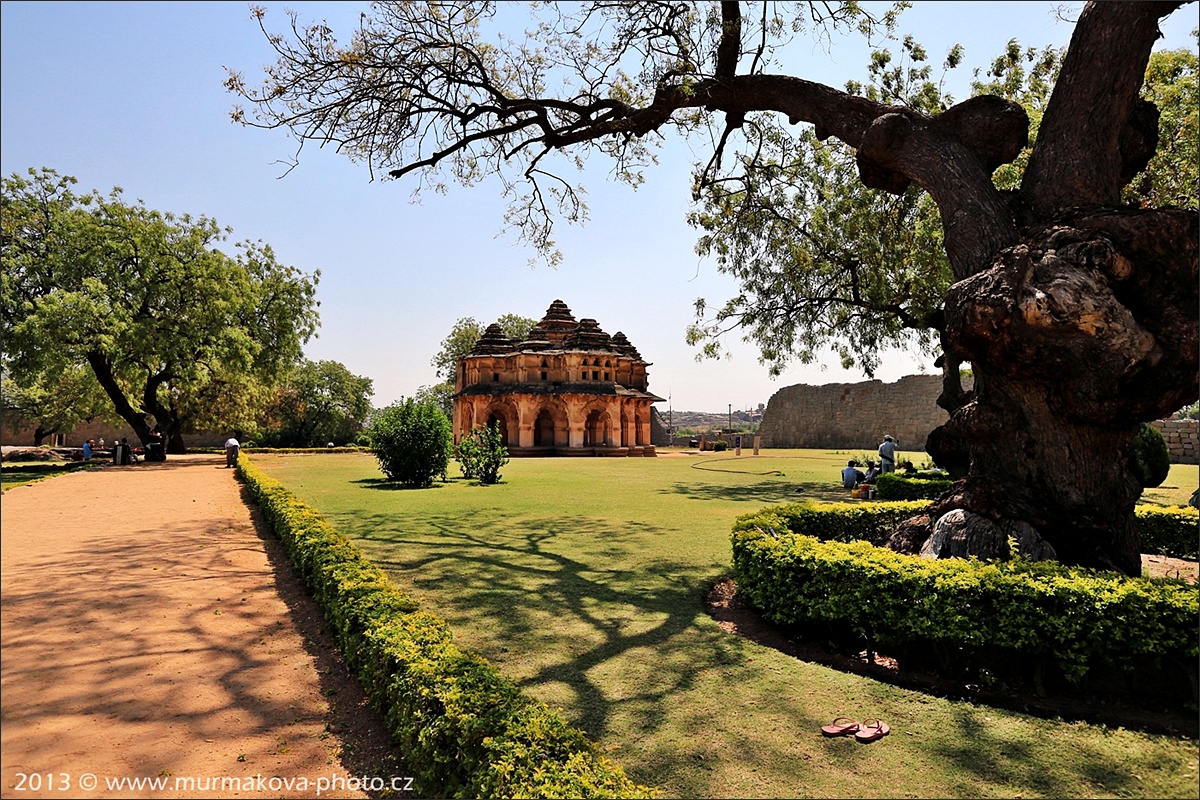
[(720, 445), (412, 441), (482, 453), (1149, 458)]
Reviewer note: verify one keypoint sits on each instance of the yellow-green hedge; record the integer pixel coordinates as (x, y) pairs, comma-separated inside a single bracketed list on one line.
[(464, 730)]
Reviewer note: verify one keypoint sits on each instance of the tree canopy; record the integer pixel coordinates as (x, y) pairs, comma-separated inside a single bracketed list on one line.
[(465, 333), (1076, 310), (318, 403), (177, 333)]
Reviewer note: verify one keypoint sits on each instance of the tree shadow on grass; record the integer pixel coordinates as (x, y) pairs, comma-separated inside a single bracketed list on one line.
[(767, 491), (384, 485), (544, 588)]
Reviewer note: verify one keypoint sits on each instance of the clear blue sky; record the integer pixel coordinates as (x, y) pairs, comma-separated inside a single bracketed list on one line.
[(130, 94)]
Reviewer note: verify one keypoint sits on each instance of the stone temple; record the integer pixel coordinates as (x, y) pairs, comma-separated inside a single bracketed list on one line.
[(567, 389)]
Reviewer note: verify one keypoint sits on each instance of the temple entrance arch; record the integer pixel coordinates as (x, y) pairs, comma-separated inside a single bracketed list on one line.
[(504, 416), (550, 427), (597, 428)]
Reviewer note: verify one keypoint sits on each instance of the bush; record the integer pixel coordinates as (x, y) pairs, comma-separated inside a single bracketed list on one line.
[(412, 441), (1149, 457), (482, 453), (839, 522), (720, 445), (891, 486), (1028, 612), (1169, 531)]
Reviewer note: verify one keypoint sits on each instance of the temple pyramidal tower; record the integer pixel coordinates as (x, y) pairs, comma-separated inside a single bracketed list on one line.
[(567, 389)]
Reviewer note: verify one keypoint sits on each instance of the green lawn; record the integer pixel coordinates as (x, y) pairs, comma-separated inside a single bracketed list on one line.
[(583, 580), (19, 473)]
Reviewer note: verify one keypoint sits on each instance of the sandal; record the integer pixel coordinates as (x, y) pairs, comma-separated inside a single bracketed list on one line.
[(872, 729), (840, 727)]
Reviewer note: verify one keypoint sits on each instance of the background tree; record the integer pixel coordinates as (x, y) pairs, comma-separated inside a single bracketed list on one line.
[(176, 332), (1173, 176), (462, 337), (1077, 314), (442, 394), (320, 402), (465, 333), (412, 441), (54, 402)]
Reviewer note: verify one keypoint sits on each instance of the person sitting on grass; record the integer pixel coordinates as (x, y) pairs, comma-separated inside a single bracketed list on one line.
[(872, 473), (852, 476)]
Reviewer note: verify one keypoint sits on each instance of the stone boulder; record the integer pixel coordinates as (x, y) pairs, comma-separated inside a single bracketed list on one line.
[(962, 534)]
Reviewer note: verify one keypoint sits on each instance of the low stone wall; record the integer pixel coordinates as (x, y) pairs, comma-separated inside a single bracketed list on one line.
[(1183, 439), (18, 432), (854, 416)]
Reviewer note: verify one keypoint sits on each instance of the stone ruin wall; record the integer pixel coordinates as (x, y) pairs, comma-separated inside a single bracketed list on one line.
[(855, 416), (1183, 439)]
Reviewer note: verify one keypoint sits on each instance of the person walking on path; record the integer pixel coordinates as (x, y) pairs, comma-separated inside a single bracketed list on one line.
[(887, 454), (176, 644), (232, 446)]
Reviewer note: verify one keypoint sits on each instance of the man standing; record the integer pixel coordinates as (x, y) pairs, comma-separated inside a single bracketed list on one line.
[(887, 453), (232, 446)]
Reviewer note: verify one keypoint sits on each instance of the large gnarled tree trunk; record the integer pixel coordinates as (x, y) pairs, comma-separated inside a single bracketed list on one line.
[(1081, 329), (1075, 336), (1078, 316)]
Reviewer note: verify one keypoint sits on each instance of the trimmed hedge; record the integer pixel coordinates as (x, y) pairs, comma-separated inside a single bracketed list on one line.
[(464, 729), (838, 522), (1071, 618), (1166, 531), (1169, 531), (891, 486)]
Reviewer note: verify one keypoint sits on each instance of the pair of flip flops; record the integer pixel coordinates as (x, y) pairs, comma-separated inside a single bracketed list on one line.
[(866, 731)]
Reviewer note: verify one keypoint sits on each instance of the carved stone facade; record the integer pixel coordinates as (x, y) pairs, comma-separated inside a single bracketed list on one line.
[(568, 388)]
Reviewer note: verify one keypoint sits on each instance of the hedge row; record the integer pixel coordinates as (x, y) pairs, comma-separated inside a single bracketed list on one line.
[(465, 731), (1072, 618), (891, 486), (837, 522), (1169, 531)]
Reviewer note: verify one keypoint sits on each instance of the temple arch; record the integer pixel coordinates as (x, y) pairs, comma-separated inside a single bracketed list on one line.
[(504, 415)]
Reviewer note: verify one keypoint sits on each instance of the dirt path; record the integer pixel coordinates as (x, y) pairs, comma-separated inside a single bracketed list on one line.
[(150, 629)]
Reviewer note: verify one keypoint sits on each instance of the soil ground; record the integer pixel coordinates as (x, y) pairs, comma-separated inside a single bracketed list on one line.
[(151, 628)]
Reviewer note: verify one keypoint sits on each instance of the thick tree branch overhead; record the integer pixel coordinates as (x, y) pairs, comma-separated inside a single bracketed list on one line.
[(1082, 158), (427, 88)]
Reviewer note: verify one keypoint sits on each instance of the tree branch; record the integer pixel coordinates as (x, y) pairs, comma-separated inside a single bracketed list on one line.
[(1078, 157)]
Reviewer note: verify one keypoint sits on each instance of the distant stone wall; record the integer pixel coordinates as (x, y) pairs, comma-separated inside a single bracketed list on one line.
[(1183, 439), (19, 432), (854, 416)]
